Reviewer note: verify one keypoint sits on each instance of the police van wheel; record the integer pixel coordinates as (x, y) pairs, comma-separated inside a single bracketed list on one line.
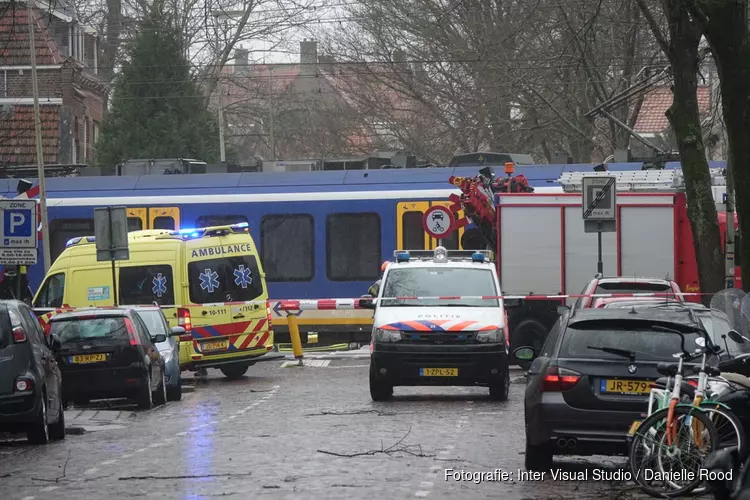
[(499, 390), (233, 372), (380, 391)]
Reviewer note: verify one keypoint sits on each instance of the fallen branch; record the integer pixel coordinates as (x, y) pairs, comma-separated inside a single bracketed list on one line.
[(197, 476), (356, 412), (390, 451)]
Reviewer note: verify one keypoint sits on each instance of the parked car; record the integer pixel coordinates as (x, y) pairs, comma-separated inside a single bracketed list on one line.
[(592, 378), (30, 380), (108, 353), (157, 324), (624, 284)]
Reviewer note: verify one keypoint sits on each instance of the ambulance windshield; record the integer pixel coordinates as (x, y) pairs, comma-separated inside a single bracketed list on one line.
[(439, 282)]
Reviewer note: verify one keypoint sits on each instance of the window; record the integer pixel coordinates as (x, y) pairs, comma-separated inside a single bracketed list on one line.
[(85, 151), (96, 133), (52, 292), (228, 279), (31, 326), (548, 348), (62, 230), (154, 321), (164, 222), (413, 231), (287, 247), (142, 331), (106, 327), (439, 281), (135, 224), (353, 242), (146, 285), (219, 220)]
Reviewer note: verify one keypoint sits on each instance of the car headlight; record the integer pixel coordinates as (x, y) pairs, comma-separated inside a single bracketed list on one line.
[(491, 337), (380, 335)]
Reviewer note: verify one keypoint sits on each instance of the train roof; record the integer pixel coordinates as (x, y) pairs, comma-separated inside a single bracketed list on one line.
[(538, 176)]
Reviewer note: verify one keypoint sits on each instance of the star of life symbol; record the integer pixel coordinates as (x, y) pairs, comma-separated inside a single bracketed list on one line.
[(242, 276), (160, 285), (209, 280)]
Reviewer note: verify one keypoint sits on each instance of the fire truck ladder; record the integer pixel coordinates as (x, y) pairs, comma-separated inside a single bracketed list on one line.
[(640, 180)]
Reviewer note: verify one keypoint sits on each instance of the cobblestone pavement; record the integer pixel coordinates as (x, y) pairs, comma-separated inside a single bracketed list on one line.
[(293, 432)]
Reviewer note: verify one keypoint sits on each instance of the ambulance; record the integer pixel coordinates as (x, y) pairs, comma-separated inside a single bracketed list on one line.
[(439, 320), (209, 281)]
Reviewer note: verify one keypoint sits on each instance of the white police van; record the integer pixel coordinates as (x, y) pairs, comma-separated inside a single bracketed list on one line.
[(438, 321)]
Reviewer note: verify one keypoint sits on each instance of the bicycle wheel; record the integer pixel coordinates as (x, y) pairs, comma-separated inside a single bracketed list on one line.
[(730, 431), (671, 470)]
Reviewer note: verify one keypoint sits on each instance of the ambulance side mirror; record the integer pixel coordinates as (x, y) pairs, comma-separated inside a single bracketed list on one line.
[(366, 302)]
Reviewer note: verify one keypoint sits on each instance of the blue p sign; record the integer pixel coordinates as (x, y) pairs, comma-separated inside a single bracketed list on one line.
[(17, 223)]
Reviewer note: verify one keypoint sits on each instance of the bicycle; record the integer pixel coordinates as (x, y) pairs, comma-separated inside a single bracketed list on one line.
[(674, 429)]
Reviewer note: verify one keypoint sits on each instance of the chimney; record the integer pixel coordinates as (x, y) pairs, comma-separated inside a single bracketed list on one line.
[(240, 61), (308, 57), (326, 64)]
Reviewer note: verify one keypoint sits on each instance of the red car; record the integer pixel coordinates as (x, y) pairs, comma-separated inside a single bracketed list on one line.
[(623, 284)]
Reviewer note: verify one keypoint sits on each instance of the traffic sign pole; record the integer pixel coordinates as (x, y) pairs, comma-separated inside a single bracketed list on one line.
[(599, 210)]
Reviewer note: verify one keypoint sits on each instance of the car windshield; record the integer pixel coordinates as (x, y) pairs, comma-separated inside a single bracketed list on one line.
[(89, 328), (586, 339), (439, 281)]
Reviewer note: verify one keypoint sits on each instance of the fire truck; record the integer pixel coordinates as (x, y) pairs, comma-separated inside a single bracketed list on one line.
[(541, 247)]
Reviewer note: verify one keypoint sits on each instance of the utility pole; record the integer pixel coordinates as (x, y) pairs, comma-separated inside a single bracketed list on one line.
[(39, 148), (270, 107), (729, 244), (222, 147)]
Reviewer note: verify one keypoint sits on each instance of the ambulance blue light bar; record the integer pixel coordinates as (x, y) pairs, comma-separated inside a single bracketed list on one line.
[(75, 241)]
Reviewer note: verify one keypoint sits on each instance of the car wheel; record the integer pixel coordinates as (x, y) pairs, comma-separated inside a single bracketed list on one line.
[(531, 333), (145, 397), (499, 391), (175, 393), (57, 430), (379, 391), (38, 432), (233, 372), (161, 392), (539, 457)]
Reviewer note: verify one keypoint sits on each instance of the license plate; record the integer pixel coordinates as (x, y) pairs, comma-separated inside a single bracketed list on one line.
[(438, 372), (633, 428), (626, 386), (221, 345), (88, 358)]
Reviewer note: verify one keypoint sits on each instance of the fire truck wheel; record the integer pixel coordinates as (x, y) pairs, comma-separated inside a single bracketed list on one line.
[(531, 333)]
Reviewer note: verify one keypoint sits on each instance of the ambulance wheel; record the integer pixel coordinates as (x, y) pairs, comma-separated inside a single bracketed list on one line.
[(233, 372), (499, 390), (379, 390), (530, 333)]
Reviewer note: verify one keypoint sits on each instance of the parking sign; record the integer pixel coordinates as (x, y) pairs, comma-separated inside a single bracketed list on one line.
[(18, 232)]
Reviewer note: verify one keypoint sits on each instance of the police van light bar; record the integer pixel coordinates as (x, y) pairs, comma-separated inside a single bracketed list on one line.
[(401, 256), (440, 253), (477, 257)]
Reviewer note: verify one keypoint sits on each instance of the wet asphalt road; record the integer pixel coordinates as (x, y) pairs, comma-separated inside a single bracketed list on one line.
[(275, 433)]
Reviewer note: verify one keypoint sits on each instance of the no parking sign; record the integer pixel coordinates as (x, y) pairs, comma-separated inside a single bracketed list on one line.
[(438, 221)]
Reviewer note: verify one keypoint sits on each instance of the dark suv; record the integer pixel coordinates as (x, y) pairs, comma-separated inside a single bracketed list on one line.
[(107, 354), (30, 380)]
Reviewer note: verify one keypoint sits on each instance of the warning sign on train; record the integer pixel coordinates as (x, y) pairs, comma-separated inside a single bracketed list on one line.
[(438, 221), (599, 198)]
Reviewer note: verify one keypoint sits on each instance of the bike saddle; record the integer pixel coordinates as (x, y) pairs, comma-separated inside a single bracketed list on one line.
[(711, 371), (685, 388), (668, 369), (737, 379)]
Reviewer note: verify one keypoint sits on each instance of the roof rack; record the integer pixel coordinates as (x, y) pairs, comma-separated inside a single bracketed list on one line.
[(639, 180)]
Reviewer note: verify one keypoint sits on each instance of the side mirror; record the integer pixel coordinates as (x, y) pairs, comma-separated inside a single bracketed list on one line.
[(177, 331), (159, 338), (366, 302), (524, 354), (55, 344), (736, 337), (562, 309)]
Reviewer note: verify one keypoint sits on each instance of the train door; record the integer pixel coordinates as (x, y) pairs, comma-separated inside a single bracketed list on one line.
[(153, 218), (410, 235)]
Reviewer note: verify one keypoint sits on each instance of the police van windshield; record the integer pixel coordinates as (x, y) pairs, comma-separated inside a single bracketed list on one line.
[(439, 282), (227, 279)]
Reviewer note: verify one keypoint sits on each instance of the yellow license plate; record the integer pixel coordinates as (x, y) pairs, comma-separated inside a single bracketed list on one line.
[(89, 358), (633, 428), (222, 345), (438, 372), (626, 386)]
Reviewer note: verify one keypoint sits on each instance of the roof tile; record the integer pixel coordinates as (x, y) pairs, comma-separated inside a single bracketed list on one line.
[(18, 137), (652, 118), (14, 37)]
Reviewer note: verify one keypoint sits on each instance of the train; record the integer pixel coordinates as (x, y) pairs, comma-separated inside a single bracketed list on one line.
[(321, 234)]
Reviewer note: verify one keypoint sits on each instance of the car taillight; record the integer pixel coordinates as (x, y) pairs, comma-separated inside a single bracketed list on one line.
[(183, 320), (19, 335), (559, 379), (24, 385), (132, 335), (268, 313)]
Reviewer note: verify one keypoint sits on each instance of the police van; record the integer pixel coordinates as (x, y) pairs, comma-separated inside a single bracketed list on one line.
[(438, 321), (209, 281)]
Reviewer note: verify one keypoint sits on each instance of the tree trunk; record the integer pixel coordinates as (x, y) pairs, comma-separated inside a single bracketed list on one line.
[(112, 39)]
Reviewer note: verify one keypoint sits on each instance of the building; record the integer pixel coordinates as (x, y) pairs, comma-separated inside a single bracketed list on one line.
[(72, 96)]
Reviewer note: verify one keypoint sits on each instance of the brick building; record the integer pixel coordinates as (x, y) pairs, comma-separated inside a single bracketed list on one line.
[(72, 96)]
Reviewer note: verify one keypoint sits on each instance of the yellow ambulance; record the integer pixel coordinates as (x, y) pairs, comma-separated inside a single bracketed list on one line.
[(209, 281)]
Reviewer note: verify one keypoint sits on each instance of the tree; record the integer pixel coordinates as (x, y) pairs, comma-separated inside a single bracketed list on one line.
[(681, 46), (158, 110), (725, 24)]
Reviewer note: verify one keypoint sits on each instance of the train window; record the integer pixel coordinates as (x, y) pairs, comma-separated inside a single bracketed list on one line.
[(164, 222), (219, 220), (353, 242), (135, 224), (413, 231), (62, 230), (287, 247), (146, 285)]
